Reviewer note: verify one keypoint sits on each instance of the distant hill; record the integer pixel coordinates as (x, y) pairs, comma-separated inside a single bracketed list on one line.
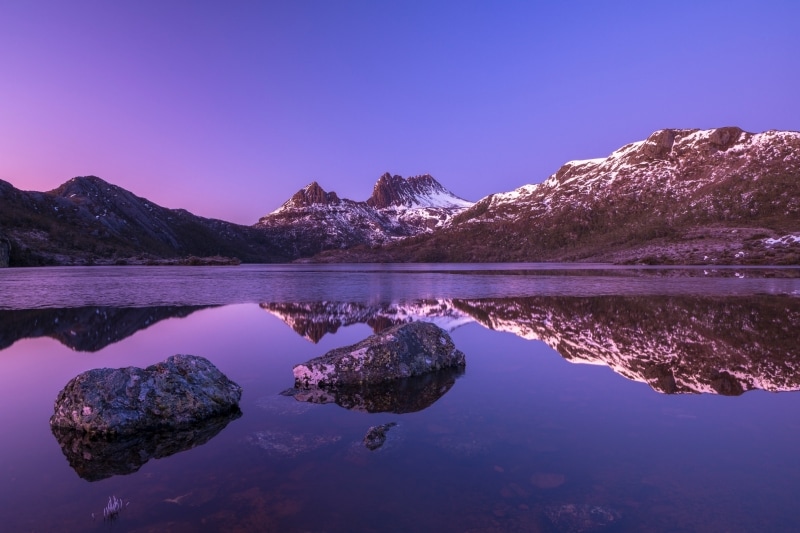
[(680, 196), (87, 220)]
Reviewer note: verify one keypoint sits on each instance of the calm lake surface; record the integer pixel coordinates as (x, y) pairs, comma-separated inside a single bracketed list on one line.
[(594, 399)]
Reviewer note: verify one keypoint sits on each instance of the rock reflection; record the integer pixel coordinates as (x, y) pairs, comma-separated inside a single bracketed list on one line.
[(84, 329), (399, 396), (676, 344), (94, 459)]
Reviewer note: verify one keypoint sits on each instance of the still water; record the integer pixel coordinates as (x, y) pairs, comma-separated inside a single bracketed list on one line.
[(594, 399)]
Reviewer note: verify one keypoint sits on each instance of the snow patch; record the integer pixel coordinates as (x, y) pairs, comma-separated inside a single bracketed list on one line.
[(786, 240)]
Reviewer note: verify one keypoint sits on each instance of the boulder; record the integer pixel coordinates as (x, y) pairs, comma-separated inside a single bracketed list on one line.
[(403, 351), (177, 393)]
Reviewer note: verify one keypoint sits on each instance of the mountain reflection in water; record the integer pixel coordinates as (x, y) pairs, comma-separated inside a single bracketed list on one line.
[(84, 329), (676, 344)]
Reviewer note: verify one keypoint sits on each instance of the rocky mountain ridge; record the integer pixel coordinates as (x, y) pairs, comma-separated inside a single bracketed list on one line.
[(721, 196), (314, 220), (680, 196)]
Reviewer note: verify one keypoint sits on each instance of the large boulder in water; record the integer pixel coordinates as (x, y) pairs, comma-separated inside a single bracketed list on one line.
[(403, 351), (177, 393)]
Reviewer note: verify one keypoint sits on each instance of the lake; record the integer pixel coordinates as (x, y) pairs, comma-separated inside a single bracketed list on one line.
[(594, 398)]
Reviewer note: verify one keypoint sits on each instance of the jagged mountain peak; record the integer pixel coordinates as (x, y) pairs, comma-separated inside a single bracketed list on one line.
[(314, 220), (422, 190), (310, 195)]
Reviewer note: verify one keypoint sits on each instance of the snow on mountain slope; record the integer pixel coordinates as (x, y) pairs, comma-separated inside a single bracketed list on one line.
[(679, 196), (676, 163), (313, 220)]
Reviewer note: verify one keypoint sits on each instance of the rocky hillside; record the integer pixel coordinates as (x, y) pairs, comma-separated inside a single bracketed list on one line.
[(87, 220), (314, 220), (680, 196), (675, 344)]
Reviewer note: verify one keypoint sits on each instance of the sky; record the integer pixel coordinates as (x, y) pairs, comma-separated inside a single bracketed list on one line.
[(228, 108)]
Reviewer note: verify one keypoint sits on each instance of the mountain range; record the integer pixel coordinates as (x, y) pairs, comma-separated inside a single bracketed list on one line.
[(721, 196)]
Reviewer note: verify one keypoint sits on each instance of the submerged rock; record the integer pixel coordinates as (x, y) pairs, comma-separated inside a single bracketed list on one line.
[(376, 435), (400, 352), (288, 444), (95, 458), (581, 518), (177, 393)]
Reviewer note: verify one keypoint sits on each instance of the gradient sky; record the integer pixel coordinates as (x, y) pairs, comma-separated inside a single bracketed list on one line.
[(228, 108)]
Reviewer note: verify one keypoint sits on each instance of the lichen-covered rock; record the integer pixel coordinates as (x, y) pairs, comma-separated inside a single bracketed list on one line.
[(399, 352), (176, 393)]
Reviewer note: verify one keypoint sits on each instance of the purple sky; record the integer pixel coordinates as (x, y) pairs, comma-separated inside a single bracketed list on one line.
[(228, 108)]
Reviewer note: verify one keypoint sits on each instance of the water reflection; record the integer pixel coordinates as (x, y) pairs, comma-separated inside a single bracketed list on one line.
[(676, 344), (84, 329), (95, 458), (399, 396)]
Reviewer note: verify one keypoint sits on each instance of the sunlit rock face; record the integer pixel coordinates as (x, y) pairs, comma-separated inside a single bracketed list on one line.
[(400, 352), (177, 393)]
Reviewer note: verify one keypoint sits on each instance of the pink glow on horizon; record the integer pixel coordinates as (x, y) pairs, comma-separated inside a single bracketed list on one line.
[(227, 110)]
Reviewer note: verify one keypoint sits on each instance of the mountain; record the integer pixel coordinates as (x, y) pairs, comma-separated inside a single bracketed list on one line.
[(679, 196), (314, 220), (675, 344), (87, 220), (721, 196)]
